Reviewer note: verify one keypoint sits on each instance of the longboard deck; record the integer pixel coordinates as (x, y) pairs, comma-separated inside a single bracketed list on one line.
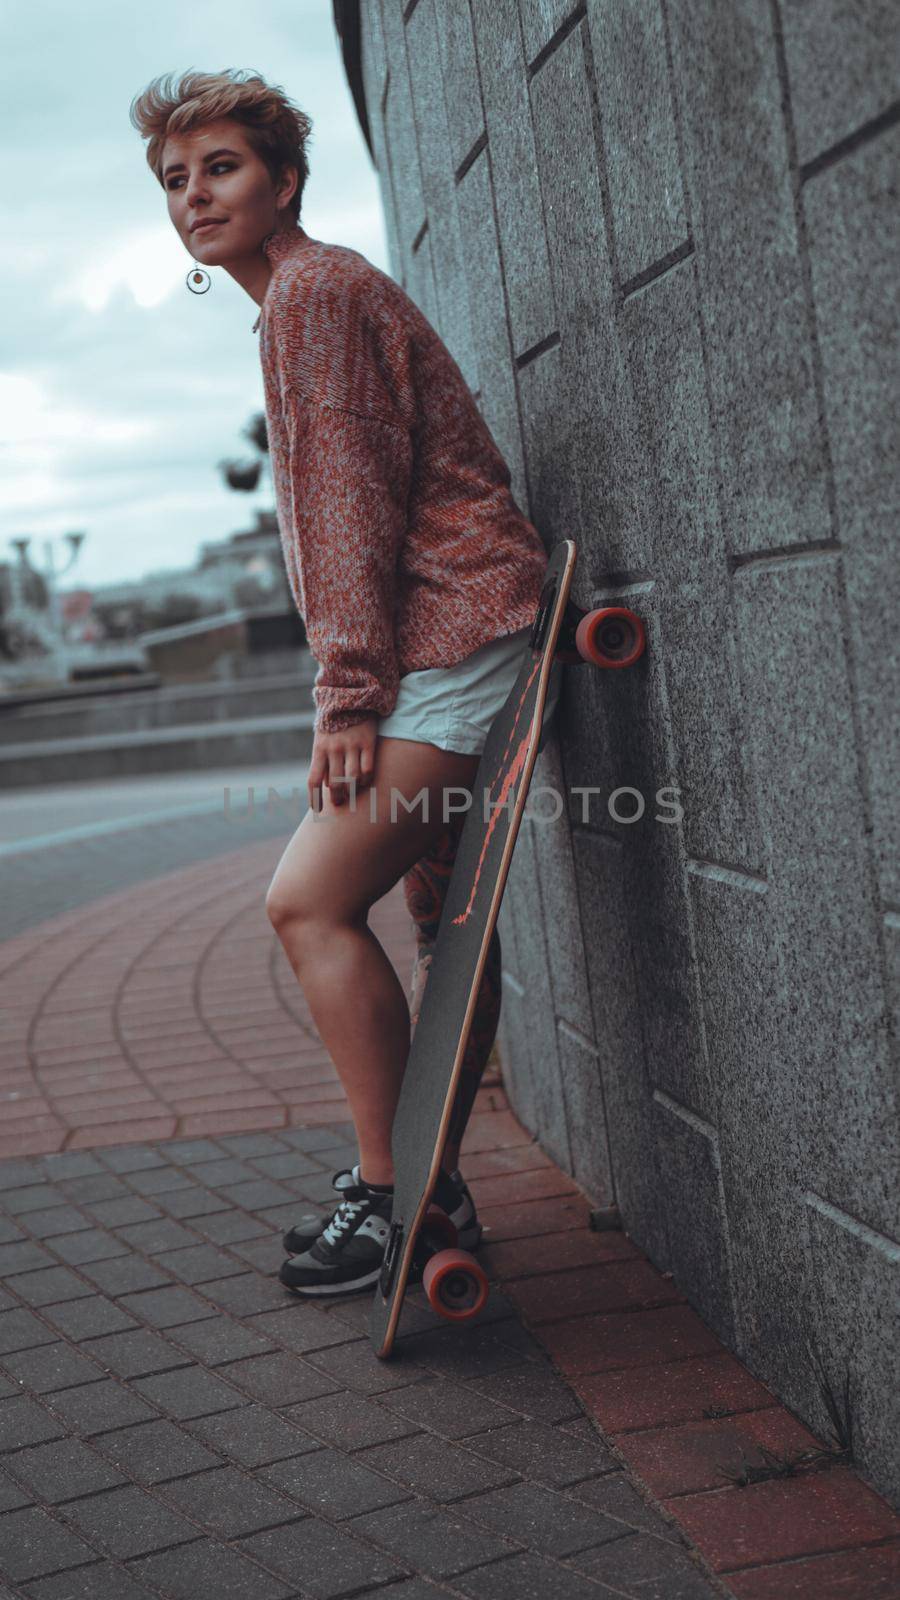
[(467, 924)]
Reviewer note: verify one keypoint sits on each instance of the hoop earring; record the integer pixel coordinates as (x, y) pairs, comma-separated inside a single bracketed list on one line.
[(198, 280)]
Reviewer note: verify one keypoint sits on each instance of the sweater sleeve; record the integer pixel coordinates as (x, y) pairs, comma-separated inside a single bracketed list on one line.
[(349, 483)]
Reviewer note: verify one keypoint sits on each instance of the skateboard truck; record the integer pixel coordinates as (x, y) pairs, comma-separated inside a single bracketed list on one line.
[(390, 1259)]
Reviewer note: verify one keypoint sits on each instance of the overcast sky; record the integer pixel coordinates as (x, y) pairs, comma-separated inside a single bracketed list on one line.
[(119, 389)]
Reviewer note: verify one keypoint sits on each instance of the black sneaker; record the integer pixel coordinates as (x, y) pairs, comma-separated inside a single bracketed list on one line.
[(459, 1206), (348, 1251), (307, 1229)]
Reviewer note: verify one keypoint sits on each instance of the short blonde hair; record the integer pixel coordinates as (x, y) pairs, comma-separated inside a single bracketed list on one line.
[(276, 129)]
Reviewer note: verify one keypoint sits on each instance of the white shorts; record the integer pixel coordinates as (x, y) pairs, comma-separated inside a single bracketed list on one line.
[(453, 707)]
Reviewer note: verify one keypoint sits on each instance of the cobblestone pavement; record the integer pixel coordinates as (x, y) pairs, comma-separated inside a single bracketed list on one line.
[(173, 1423)]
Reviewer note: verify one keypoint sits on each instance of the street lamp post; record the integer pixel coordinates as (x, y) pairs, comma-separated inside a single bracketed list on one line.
[(51, 576)]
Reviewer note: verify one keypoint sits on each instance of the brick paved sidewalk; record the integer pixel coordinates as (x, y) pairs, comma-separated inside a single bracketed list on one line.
[(173, 1423)]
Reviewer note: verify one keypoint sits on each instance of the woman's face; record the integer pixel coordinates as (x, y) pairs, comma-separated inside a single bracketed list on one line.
[(213, 176)]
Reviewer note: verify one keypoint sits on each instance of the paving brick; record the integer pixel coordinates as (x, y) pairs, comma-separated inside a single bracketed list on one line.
[(304, 1327), (167, 1308), (265, 1254), (434, 1468), (245, 1295), (534, 1218), (224, 1169), (680, 1391), (229, 1503), (23, 1421), (97, 1186), (774, 1521), (541, 1518), (160, 1180), (642, 1565), (89, 1245), (253, 1436), (33, 1544), (155, 1451), (628, 1339), (436, 1542), (194, 1202), (278, 1379), (326, 1137), (126, 1522), (516, 1188), (125, 1275), (409, 1589), (229, 1226), (23, 1256), (11, 1496), (124, 1210), (217, 1340), (88, 1317), (18, 1174), (483, 1349), (206, 1571), (355, 1366), (200, 1263), (554, 1252), (451, 1410), (62, 1470), (187, 1152), (616, 1496), (52, 1367), (690, 1456), (135, 1354), (533, 1391), (331, 1561), (607, 1286), (548, 1455), (152, 1238), (526, 1577), (286, 1164), (257, 1194), (873, 1573), (97, 1407), (56, 1220), (33, 1197), (330, 1483), (132, 1158), (253, 1144), (189, 1392), (70, 1164), (350, 1421), (104, 1580), (20, 1330)]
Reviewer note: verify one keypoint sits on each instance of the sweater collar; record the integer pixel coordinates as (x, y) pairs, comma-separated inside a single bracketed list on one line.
[(277, 247)]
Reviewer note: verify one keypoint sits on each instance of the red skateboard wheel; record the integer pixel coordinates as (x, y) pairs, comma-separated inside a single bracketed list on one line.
[(610, 637), (456, 1286)]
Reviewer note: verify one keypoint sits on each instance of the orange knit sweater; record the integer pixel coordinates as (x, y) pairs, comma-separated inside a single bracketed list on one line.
[(403, 544)]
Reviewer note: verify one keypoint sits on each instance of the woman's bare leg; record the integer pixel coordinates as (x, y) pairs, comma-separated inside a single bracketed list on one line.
[(338, 864)]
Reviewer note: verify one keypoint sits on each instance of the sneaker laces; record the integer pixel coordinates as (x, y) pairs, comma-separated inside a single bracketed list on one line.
[(346, 1215)]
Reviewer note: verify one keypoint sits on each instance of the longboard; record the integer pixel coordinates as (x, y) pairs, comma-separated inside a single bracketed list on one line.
[(455, 1283)]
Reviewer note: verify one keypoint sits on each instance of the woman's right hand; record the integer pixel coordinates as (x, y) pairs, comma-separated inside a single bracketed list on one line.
[(340, 758)]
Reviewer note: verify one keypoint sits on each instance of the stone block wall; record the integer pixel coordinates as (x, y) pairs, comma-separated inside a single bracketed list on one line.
[(656, 235)]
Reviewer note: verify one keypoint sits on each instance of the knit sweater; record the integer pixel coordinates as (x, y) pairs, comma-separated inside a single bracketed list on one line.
[(403, 545)]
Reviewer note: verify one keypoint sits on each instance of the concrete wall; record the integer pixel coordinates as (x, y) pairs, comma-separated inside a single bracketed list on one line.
[(656, 239)]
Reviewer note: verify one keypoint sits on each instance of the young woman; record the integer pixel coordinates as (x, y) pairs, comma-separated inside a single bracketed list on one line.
[(417, 577)]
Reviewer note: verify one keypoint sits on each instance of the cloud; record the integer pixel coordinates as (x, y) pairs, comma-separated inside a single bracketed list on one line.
[(119, 390)]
